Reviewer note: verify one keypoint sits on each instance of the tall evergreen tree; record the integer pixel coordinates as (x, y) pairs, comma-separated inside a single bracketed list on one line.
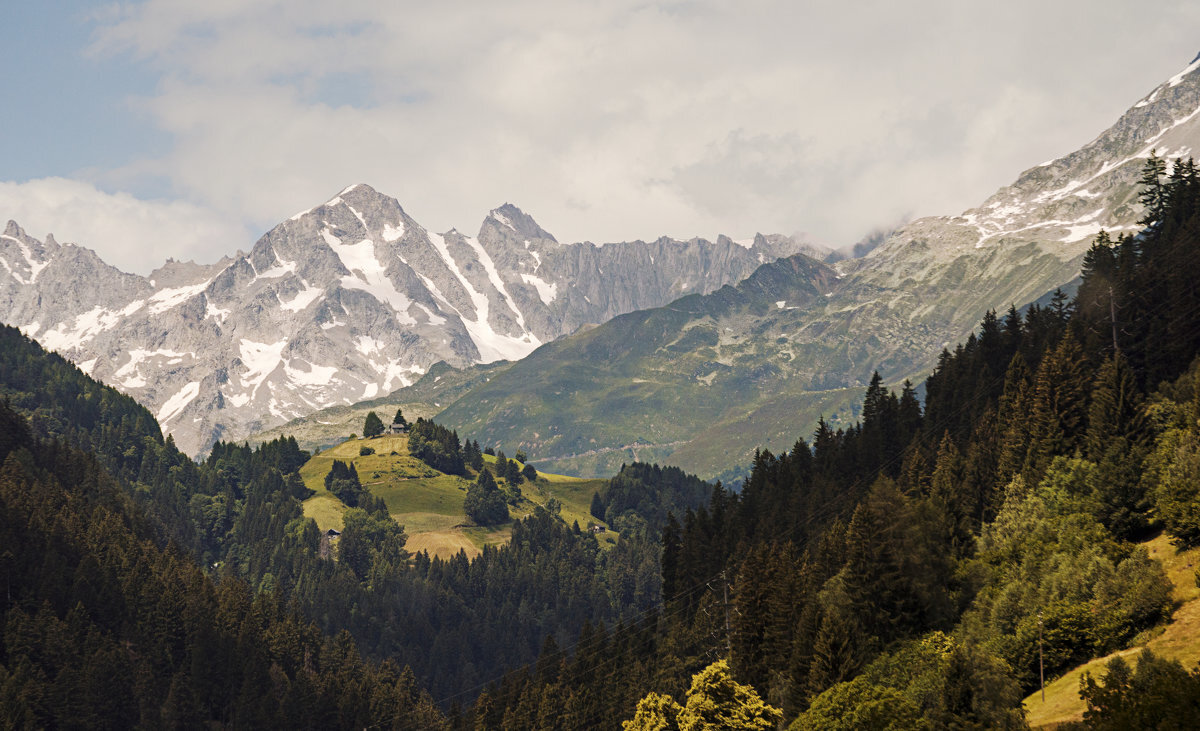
[(372, 425)]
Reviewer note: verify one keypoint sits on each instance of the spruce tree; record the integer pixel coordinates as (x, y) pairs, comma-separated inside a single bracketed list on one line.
[(1153, 196), (1116, 408), (372, 425), (484, 502)]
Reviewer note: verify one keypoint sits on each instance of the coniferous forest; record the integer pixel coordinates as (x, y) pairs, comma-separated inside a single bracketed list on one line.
[(898, 573)]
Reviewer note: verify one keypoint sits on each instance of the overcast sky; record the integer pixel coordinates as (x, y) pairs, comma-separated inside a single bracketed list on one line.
[(179, 128)]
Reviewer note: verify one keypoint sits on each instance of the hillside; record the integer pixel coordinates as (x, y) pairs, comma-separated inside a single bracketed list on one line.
[(237, 517), (1179, 639), (429, 503), (642, 386)]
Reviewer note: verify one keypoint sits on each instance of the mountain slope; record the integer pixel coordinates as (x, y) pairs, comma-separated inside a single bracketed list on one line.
[(343, 302), (893, 311), (651, 379)]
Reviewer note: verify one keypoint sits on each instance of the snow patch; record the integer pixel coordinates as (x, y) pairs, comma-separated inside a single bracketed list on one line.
[(35, 266), (359, 216), (315, 375), (281, 268), (87, 366), (492, 346), (391, 233), (367, 345), (434, 318), (176, 403), (546, 291), (370, 391), (1178, 78), (165, 299), (63, 337), (303, 298), (368, 274), (216, 313), (260, 360), (130, 372), (1084, 231), (400, 374), (781, 304), (502, 219), (494, 276)]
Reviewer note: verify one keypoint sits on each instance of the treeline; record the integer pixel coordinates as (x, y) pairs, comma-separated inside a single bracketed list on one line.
[(899, 571), (642, 496)]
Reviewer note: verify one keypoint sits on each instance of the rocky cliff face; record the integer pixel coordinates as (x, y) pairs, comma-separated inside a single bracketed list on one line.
[(343, 302)]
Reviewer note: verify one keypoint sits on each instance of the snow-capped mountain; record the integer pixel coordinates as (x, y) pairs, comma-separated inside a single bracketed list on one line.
[(342, 302), (704, 383)]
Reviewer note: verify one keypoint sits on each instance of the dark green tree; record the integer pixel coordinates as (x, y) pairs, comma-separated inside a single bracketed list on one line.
[(372, 425), (484, 502), (1153, 195), (1158, 694)]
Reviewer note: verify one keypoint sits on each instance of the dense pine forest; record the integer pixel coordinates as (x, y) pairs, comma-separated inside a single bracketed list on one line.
[(898, 573), (444, 625)]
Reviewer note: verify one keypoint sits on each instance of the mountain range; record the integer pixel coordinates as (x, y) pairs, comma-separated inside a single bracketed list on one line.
[(346, 301), (703, 351), (704, 381)]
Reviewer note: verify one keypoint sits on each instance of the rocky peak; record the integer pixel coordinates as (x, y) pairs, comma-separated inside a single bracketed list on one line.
[(518, 222)]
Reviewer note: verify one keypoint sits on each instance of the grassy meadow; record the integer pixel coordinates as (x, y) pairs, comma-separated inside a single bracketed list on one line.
[(429, 503)]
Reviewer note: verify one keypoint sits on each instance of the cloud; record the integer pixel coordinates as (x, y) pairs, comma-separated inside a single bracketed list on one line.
[(627, 119), (132, 235)]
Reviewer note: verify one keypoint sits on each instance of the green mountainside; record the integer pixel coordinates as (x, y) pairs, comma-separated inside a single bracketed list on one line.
[(644, 385)]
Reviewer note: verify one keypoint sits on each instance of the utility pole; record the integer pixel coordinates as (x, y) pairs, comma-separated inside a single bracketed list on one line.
[(1112, 309), (725, 601), (1041, 659)]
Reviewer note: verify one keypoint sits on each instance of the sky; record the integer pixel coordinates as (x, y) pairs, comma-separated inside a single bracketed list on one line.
[(172, 128)]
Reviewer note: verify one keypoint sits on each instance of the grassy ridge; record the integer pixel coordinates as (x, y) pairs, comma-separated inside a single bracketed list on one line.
[(429, 503)]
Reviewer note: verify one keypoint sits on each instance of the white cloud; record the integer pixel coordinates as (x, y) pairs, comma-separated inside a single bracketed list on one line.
[(132, 235), (628, 119)]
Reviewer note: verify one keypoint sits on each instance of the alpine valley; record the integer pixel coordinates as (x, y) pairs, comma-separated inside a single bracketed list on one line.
[(1010, 543), (353, 299)]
